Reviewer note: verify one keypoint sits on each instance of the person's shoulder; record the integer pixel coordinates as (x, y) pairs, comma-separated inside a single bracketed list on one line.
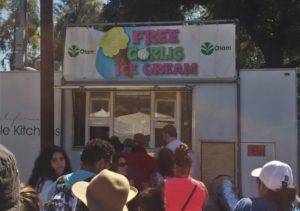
[(244, 204), (172, 145), (78, 175), (197, 182)]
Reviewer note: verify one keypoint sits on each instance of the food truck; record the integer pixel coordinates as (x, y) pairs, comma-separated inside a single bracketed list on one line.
[(136, 78)]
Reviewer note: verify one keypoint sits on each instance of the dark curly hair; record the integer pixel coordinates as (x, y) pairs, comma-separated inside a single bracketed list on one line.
[(165, 162), (115, 142), (182, 158), (95, 150), (43, 169)]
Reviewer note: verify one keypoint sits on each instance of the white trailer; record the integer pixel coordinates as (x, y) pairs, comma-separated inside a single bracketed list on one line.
[(233, 120), (20, 116)]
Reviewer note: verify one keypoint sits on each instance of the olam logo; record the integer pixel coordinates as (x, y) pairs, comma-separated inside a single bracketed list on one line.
[(74, 51), (207, 48)]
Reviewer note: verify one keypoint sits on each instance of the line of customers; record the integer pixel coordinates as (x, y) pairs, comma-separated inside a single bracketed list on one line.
[(169, 186)]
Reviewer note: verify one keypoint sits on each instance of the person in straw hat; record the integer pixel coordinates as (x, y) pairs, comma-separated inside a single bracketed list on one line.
[(107, 191)]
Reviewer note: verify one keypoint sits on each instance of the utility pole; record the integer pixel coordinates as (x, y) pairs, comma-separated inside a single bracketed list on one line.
[(47, 74), (20, 50)]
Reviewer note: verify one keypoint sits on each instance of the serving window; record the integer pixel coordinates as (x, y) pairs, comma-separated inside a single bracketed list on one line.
[(125, 113), (132, 114)]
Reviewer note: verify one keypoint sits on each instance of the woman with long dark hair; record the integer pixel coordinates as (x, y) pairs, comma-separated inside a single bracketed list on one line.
[(51, 163), (165, 163), (120, 166)]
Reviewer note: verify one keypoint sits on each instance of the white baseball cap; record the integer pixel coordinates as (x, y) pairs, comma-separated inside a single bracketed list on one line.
[(274, 174)]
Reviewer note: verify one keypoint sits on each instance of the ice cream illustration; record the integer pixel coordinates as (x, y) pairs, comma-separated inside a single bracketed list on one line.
[(114, 45)]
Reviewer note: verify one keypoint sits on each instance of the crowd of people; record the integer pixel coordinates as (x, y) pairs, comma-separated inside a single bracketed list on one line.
[(116, 176)]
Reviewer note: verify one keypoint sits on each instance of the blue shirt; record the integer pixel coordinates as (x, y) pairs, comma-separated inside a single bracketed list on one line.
[(256, 204)]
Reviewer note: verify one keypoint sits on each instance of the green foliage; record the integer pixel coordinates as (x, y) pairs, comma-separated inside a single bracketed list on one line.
[(270, 29), (7, 31), (273, 28), (146, 10), (268, 36), (249, 55), (8, 26), (33, 35), (3, 4)]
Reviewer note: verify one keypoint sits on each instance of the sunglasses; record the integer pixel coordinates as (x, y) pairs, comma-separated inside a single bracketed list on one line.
[(122, 164)]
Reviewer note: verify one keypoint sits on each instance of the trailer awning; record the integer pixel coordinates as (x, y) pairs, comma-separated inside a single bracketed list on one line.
[(139, 84), (128, 87)]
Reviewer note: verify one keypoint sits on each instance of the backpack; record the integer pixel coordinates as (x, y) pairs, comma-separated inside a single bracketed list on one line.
[(63, 198)]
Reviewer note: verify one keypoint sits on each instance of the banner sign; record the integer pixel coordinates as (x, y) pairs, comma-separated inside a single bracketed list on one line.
[(151, 52)]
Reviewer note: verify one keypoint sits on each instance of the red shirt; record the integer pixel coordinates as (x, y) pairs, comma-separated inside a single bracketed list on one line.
[(141, 166), (177, 191)]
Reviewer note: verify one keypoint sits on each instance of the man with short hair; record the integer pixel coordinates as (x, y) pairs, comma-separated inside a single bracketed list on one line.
[(96, 156), (169, 135), (9, 181)]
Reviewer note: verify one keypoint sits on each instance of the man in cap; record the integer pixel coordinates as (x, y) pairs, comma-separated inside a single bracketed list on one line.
[(9, 181), (275, 188)]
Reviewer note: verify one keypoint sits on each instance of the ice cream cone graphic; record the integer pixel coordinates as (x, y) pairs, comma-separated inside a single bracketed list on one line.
[(114, 45)]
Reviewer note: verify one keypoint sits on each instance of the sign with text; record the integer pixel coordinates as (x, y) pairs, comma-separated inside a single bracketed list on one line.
[(20, 125), (151, 52)]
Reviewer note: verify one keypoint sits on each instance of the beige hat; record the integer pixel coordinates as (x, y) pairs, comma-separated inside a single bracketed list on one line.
[(107, 191)]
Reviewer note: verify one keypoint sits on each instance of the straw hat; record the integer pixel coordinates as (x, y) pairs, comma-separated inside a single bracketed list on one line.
[(107, 191)]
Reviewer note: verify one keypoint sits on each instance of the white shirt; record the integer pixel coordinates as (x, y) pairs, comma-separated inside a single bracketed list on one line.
[(172, 145)]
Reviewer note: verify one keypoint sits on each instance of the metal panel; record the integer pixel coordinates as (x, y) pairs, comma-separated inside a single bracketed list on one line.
[(217, 159), (268, 114), (215, 112)]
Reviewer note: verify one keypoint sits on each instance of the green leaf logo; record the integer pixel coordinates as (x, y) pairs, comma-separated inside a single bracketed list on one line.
[(207, 48), (73, 51)]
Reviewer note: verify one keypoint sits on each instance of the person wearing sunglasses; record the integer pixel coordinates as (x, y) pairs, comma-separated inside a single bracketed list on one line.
[(119, 165)]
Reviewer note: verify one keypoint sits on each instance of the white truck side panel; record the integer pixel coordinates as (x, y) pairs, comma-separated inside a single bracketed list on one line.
[(215, 121), (20, 116), (215, 112), (268, 116)]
